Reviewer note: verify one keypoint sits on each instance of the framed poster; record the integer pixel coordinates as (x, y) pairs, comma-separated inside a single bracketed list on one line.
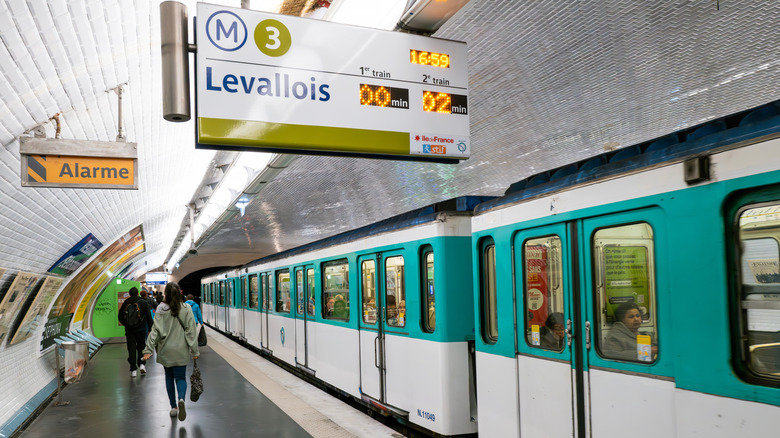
[(16, 296), (36, 313)]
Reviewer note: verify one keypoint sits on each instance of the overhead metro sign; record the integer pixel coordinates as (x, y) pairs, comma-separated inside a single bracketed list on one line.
[(296, 85), (78, 164)]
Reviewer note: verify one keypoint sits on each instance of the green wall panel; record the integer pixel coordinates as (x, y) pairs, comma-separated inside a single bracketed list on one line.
[(105, 323)]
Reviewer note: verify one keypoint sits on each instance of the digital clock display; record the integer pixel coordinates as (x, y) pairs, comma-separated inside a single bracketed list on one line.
[(430, 58), (378, 95), (445, 103)]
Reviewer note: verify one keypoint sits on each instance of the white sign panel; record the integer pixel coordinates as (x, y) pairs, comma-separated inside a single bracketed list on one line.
[(272, 81)]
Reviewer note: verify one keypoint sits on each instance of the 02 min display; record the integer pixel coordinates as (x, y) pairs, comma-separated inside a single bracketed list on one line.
[(444, 103)]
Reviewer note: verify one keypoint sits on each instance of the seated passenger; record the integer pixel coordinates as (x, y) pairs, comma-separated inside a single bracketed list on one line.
[(553, 332), (340, 309), (621, 340)]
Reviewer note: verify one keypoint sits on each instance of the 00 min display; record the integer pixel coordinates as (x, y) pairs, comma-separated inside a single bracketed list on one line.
[(430, 58)]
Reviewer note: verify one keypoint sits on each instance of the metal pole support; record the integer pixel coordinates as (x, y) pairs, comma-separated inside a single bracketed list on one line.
[(175, 61)]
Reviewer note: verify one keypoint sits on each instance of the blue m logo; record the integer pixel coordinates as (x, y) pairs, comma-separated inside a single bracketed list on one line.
[(226, 31)]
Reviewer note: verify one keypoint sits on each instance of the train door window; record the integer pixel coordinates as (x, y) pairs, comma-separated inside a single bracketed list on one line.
[(759, 299), (428, 295), (283, 291), (487, 295), (335, 290), (310, 284), (244, 292), (368, 279), (264, 291), (545, 320), (395, 292), (253, 291), (626, 309), (222, 293), (299, 292)]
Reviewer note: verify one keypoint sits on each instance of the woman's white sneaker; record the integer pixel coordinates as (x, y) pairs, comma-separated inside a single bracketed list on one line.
[(182, 411), (174, 412)]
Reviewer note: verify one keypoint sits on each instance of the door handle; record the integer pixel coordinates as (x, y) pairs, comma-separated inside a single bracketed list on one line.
[(568, 332), (587, 335), (376, 347)]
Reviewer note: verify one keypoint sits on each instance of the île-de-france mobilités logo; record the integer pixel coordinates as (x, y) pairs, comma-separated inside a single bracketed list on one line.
[(228, 32)]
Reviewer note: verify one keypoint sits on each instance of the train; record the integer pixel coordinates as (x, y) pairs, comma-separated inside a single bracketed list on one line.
[(635, 293)]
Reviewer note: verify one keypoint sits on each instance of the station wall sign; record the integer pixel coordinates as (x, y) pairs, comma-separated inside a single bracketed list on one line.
[(298, 85), (78, 164)]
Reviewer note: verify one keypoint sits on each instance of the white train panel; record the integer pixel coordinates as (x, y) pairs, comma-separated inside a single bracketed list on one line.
[(497, 396), (430, 380), (253, 327), (333, 354), (711, 416), (281, 337), (546, 405), (641, 406)]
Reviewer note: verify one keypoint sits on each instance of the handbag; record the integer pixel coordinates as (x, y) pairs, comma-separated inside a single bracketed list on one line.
[(196, 383), (202, 337)]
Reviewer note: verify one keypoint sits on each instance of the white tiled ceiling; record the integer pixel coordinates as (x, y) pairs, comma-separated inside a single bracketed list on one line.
[(551, 82)]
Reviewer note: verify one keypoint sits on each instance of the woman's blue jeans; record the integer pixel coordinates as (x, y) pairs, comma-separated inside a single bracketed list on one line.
[(179, 374)]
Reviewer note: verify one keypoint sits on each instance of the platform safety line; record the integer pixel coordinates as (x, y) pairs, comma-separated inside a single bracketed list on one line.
[(310, 419)]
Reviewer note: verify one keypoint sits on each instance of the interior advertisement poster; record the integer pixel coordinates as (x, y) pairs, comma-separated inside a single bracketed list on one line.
[(36, 313), (76, 256), (626, 278), (102, 282), (296, 85), (12, 301), (68, 300), (536, 283)]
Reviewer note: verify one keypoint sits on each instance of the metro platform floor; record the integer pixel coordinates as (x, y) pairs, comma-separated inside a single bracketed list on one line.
[(244, 396)]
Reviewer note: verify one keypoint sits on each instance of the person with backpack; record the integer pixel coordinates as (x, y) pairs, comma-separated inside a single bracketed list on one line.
[(136, 315)]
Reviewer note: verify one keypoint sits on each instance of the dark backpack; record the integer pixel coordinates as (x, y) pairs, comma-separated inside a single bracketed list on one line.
[(134, 317)]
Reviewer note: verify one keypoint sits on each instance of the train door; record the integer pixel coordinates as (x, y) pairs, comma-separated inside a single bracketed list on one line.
[(574, 377), (304, 313), (623, 269), (544, 323), (221, 310), (241, 305), (265, 303), (379, 286)]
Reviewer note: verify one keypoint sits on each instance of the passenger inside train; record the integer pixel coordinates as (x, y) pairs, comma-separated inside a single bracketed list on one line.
[(624, 336), (553, 332)]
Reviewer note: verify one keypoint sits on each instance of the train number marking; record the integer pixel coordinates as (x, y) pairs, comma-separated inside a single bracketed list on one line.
[(426, 415)]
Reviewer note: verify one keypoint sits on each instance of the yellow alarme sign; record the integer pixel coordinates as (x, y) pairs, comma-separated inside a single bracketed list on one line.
[(81, 171)]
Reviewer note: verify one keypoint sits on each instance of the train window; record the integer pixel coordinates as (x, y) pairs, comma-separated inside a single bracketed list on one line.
[(299, 292), (310, 284), (395, 292), (545, 317), (222, 288), (487, 293), (428, 295), (229, 285), (244, 292), (265, 291), (626, 314), (368, 278), (335, 290), (759, 259), (253, 291), (283, 291)]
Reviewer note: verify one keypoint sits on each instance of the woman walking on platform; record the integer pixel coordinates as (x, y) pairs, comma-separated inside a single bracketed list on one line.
[(174, 337)]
